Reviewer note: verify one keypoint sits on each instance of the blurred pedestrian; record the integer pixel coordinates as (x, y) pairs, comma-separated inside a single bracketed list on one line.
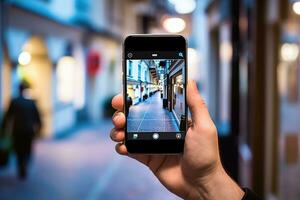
[(23, 121)]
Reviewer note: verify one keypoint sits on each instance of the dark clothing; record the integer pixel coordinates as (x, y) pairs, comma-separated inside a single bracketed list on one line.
[(129, 103), (23, 116), (23, 122), (249, 195)]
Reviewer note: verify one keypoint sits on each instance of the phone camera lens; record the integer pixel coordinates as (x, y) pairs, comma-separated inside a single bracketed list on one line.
[(178, 136), (129, 55), (155, 136)]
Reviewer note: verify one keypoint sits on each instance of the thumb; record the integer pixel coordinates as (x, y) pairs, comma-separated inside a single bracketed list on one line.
[(197, 105)]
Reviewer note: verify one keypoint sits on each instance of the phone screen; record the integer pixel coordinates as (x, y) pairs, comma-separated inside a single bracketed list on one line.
[(155, 95)]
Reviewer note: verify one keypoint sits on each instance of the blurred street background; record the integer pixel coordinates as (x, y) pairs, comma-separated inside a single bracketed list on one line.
[(244, 55)]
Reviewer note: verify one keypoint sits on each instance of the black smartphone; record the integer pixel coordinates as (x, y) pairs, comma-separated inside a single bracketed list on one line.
[(155, 77)]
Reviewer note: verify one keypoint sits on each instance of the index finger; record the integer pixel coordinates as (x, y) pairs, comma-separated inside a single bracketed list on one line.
[(117, 102)]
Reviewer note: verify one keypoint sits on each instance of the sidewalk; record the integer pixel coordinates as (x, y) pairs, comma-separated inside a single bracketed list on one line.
[(82, 166), (150, 116)]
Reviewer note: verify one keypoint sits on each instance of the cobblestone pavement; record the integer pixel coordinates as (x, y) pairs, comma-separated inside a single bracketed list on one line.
[(83, 165), (150, 116)]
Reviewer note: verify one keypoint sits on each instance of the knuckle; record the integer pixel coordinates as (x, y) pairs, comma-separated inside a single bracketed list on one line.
[(208, 128), (115, 114)]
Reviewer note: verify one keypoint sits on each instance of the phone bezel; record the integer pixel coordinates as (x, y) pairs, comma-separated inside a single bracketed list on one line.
[(150, 42)]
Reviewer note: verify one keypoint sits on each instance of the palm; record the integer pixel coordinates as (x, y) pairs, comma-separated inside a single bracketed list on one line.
[(200, 161), (167, 168), (173, 171)]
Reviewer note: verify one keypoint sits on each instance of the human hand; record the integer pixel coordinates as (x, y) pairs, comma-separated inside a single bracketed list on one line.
[(198, 172)]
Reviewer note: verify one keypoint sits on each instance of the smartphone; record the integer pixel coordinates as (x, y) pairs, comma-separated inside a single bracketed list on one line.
[(155, 77)]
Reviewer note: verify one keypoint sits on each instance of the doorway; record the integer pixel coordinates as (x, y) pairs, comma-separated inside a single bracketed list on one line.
[(38, 72)]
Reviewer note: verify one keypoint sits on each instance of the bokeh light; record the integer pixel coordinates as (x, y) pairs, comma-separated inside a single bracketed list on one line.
[(66, 80), (226, 51), (174, 24), (184, 7), (24, 58), (289, 52), (296, 7)]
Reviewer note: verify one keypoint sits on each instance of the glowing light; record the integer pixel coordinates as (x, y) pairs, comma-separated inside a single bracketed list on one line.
[(66, 79), (226, 51), (21, 72), (296, 7), (289, 52), (192, 56), (174, 24), (193, 63), (24, 58), (184, 6), (26, 73)]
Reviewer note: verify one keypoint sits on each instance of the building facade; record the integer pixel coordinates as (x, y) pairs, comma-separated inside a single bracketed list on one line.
[(141, 83), (61, 39), (176, 92)]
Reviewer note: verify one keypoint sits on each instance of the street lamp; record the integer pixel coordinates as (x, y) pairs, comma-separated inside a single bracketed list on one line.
[(289, 52), (174, 24), (296, 7)]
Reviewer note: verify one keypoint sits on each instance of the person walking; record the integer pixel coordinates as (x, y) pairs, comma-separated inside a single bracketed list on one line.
[(23, 121)]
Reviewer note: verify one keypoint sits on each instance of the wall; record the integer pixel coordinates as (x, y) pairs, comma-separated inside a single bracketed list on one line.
[(108, 80), (55, 37)]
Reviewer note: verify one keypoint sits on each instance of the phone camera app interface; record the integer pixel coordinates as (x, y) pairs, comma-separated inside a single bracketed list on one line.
[(155, 95)]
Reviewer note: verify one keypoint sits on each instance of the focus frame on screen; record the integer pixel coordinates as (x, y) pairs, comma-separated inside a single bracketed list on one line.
[(154, 80)]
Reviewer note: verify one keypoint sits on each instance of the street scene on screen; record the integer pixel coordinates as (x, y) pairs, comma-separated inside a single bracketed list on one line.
[(155, 95)]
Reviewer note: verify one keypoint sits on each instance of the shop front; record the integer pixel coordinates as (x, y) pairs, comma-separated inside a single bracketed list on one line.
[(106, 81), (176, 90), (134, 91), (178, 96), (52, 62), (286, 139)]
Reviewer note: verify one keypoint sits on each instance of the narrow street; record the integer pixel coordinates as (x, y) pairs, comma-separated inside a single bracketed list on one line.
[(83, 165), (150, 116)]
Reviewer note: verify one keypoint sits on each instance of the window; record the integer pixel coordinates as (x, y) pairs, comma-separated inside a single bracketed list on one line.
[(139, 71), (65, 79), (130, 69)]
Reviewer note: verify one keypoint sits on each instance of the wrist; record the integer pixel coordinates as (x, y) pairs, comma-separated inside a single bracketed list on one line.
[(217, 185)]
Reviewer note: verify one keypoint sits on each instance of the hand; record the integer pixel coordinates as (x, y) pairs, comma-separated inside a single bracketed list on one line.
[(198, 172)]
